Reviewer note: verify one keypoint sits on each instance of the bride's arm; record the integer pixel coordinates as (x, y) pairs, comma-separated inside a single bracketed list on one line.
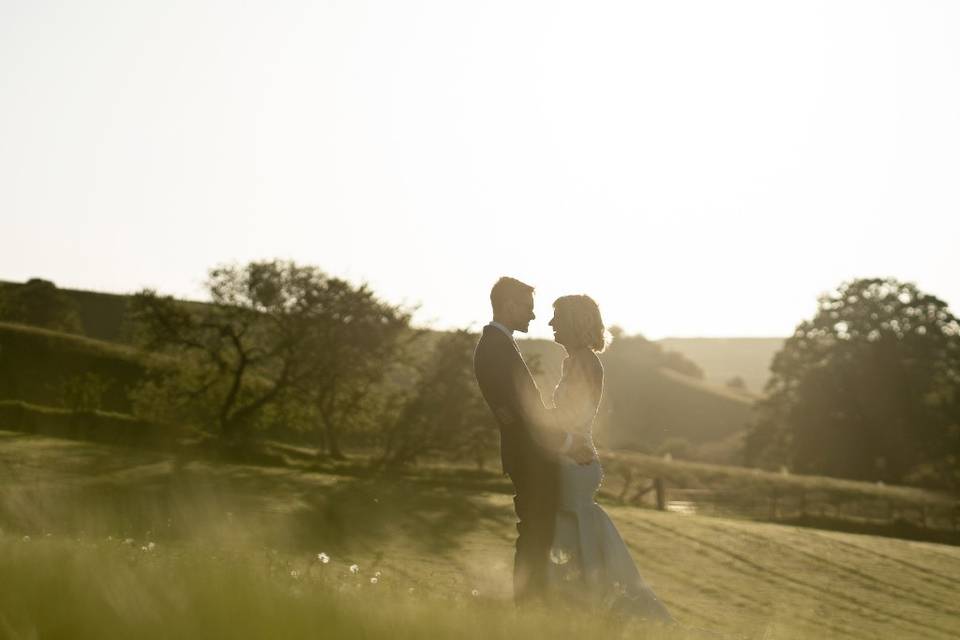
[(573, 414), (577, 405), (548, 433)]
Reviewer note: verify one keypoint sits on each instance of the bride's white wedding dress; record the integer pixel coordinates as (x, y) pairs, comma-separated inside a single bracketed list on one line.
[(589, 561)]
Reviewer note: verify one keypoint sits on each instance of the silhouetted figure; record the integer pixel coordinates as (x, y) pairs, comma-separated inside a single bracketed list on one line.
[(529, 449), (589, 562)]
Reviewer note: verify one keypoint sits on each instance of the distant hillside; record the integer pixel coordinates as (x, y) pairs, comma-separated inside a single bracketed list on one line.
[(101, 314), (647, 406), (39, 366), (724, 358)]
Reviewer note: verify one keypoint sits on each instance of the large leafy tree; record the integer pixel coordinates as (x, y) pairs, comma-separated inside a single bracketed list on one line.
[(358, 349), (276, 338), (869, 388), (444, 413)]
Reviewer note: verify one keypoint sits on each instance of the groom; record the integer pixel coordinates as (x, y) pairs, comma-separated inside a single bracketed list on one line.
[(529, 448)]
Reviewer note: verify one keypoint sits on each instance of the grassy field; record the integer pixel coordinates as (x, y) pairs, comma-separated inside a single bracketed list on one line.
[(104, 541), (828, 503)]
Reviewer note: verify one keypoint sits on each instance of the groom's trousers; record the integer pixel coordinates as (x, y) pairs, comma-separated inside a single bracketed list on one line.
[(537, 516)]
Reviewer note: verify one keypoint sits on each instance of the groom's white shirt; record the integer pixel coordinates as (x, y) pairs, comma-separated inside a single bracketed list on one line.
[(509, 332), (504, 328)]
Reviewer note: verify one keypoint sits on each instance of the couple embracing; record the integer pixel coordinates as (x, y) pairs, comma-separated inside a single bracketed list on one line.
[(567, 547)]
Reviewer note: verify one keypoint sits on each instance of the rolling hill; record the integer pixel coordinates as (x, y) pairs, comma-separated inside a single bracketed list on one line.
[(724, 358), (39, 366), (649, 403), (648, 406), (101, 314)]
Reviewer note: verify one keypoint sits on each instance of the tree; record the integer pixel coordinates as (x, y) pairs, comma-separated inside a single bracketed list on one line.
[(869, 388), (39, 303), (361, 343), (737, 383), (274, 334), (444, 413)]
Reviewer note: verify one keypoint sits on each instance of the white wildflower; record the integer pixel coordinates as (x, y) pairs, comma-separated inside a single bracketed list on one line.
[(559, 556), (324, 558), (354, 569), (374, 580), (475, 593)]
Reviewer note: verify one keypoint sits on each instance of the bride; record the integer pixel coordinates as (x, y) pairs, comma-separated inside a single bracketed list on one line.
[(588, 559)]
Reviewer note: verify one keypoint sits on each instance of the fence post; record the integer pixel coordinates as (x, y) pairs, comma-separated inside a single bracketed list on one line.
[(627, 483), (661, 494)]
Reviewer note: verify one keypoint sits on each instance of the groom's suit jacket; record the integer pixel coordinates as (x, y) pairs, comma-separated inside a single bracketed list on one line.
[(527, 446)]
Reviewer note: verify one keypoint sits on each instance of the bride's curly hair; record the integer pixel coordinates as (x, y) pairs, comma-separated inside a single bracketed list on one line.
[(582, 315)]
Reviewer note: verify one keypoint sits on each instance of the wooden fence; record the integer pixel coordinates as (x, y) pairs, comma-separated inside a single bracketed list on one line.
[(829, 503)]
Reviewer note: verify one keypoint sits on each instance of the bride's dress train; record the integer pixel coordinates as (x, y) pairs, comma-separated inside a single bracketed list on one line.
[(589, 561)]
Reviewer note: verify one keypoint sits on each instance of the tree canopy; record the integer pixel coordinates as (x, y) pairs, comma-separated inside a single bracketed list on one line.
[(869, 388), (276, 338)]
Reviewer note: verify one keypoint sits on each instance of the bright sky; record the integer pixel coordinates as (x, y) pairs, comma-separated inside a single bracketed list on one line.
[(699, 167)]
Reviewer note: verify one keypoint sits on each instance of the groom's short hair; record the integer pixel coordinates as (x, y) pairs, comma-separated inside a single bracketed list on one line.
[(508, 289)]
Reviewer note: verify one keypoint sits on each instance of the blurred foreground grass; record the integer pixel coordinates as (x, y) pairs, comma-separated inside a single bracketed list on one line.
[(62, 588), (236, 549)]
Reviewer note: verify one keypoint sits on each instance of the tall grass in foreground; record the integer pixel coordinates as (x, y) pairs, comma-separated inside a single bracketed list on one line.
[(80, 588), (236, 555)]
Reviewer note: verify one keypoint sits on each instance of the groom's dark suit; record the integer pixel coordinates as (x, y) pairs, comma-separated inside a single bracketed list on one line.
[(527, 451)]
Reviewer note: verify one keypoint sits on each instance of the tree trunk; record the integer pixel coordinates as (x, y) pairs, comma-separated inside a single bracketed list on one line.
[(227, 423), (321, 442), (333, 442)]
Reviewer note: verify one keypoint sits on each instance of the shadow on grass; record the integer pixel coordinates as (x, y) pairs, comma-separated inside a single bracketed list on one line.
[(900, 529), (371, 511), (68, 488)]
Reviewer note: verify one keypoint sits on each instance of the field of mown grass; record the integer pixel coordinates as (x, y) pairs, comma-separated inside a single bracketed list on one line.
[(235, 549), (829, 503)]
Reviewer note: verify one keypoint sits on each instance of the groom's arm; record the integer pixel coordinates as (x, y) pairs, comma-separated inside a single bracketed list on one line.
[(515, 400)]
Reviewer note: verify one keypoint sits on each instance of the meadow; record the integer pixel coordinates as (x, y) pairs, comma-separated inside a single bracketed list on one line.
[(101, 541), (817, 501)]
